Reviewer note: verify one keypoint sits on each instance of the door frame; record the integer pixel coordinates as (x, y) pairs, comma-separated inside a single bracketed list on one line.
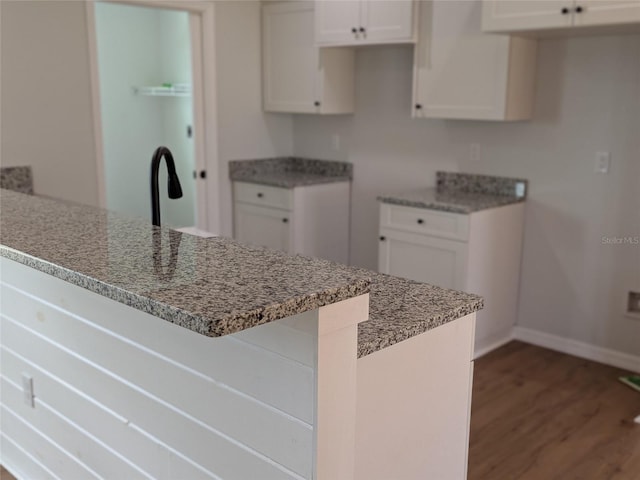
[(205, 126)]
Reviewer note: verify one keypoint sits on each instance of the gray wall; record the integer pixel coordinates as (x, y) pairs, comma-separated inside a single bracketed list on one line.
[(588, 100), (46, 97), (244, 130)]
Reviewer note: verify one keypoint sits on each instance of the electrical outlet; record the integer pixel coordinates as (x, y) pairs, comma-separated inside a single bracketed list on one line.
[(27, 389), (335, 141), (603, 162), (474, 152), (633, 303)]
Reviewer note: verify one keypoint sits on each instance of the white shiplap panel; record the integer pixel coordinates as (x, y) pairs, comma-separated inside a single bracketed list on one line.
[(288, 337), (44, 450), (93, 454), (179, 469), (112, 429), (263, 372), (198, 396), (185, 434), (22, 464)]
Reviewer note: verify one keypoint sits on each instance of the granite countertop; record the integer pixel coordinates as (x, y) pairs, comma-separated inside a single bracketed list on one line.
[(462, 193), (289, 172), (400, 309), (18, 179), (455, 202), (213, 286)]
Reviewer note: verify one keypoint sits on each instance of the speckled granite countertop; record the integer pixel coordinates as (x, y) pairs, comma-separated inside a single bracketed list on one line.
[(462, 193), (400, 309), (18, 179), (289, 172), (455, 202), (213, 286)]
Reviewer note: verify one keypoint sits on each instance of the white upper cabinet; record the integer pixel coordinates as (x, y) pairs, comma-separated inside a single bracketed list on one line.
[(365, 22), (532, 15), (298, 77), (606, 12), (462, 73), (499, 15), (337, 22), (387, 21)]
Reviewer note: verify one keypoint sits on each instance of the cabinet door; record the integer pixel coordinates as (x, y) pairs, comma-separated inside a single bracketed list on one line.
[(607, 12), (335, 21), (424, 259), (290, 58), (387, 21), (463, 73), (510, 15), (265, 227)]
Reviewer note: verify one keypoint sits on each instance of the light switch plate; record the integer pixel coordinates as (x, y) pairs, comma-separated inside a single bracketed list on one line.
[(603, 162)]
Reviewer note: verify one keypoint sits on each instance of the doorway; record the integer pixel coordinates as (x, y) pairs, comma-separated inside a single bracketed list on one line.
[(148, 69)]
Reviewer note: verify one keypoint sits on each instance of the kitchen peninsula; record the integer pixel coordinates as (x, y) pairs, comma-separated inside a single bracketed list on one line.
[(133, 351)]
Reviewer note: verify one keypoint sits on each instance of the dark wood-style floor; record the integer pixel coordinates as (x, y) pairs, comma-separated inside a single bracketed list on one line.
[(4, 475), (541, 415)]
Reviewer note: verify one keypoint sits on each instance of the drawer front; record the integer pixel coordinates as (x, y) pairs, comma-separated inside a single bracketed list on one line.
[(263, 195), (454, 226)]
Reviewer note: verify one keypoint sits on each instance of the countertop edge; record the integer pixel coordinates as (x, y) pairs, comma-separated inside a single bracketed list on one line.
[(291, 183), (385, 341), (443, 207), (233, 322)]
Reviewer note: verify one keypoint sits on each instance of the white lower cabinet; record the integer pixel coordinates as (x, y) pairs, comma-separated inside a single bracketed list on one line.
[(428, 259), (311, 220), (268, 227), (478, 253)]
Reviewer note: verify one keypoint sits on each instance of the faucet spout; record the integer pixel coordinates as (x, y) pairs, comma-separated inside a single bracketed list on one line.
[(175, 190)]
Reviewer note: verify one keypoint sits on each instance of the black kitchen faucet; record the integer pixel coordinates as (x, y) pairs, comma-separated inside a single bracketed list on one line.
[(175, 191)]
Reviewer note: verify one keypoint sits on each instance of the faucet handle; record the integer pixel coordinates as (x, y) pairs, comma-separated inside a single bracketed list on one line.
[(175, 190)]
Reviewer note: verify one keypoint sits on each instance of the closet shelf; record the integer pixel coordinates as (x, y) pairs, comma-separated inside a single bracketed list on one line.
[(172, 90)]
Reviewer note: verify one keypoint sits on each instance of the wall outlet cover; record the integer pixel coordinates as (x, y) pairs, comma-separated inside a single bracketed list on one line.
[(633, 303), (603, 162)]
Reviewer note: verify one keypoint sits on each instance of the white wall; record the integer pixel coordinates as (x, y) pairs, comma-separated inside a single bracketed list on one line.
[(139, 47), (245, 131), (588, 100), (175, 44), (46, 97), (127, 39)]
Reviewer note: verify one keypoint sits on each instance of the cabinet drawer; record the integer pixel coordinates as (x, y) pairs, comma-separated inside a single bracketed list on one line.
[(263, 195), (428, 222)]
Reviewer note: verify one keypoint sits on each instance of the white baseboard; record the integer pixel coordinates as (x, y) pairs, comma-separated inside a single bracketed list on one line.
[(576, 348), (485, 348)]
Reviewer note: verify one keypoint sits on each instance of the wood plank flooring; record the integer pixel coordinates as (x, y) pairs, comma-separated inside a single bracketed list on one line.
[(4, 475), (541, 415)]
